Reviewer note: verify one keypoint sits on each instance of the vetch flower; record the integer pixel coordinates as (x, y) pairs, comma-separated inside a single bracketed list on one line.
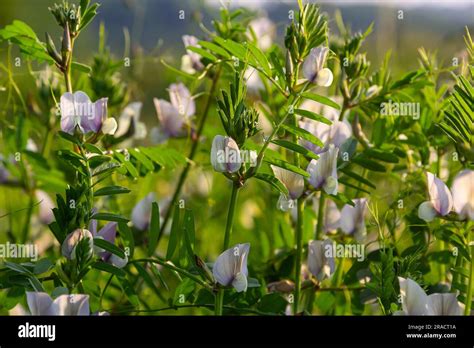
[(73, 240), (293, 182), (230, 267), (416, 302), (225, 155), (78, 110), (191, 61), (130, 117), (323, 172), (353, 218), (441, 201), (174, 115), (321, 262), (264, 30), (108, 233), (141, 213), (46, 206), (313, 67), (463, 194), (40, 303)]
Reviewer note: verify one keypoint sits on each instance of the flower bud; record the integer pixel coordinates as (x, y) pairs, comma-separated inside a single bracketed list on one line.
[(225, 155)]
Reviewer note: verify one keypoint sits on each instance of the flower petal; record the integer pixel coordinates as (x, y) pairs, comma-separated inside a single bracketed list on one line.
[(414, 299), (440, 196), (445, 304), (463, 194), (39, 303)]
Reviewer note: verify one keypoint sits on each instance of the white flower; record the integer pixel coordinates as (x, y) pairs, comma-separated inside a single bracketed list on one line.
[(323, 172), (225, 155), (230, 267), (353, 218), (68, 248), (293, 182), (131, 116), (313, 67), (40, 303), (416, 302), (321, 258), (141, 213), (441, 201), (463, 194), (46, 206), (264, 30), (109, 126)]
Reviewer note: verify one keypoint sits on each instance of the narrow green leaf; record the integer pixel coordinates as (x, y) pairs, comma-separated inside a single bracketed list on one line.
[(287, 166), (321, 99), (296, 148), (270, 179), (154, 228), (111, 190), (109, 217), (107, 246)]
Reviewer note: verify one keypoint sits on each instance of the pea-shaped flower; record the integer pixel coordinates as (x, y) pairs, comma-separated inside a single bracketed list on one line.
[(40, 303), (130, 117), (323, 171), (230, 267), (416, 302), (463, 194), (225, 155), (77, 110), (353, 219), (191, 61), (321, 258), (108, 233), (173, 115), (293, 182), (313, 67), (441, 201), (73, 240)]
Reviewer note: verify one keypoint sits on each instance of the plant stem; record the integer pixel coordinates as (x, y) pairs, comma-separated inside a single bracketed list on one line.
[(319, 226), (467, 308), (173, 268), (230, 215), (299, 251), (219, 299), (192, 153)]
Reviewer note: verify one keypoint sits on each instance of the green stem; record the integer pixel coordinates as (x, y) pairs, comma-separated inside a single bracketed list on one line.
[(192, 153), (319, 226), (299, 251), (179, 270), (219, 299), (230, 215), (467, 308)]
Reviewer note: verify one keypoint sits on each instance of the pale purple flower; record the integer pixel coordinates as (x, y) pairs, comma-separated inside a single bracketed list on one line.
[(174, 115), (225, 155), (463, 194), (46, 206), (108, 233), (141, 213), (441, 201), (353, 219), (68, 248), (313, 67), (416, 302), (264, 30), (230, 267), (321, 262), (323, 171), (293, 182), (78, 110), (337, 133), (191, 62), (40, 303)]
